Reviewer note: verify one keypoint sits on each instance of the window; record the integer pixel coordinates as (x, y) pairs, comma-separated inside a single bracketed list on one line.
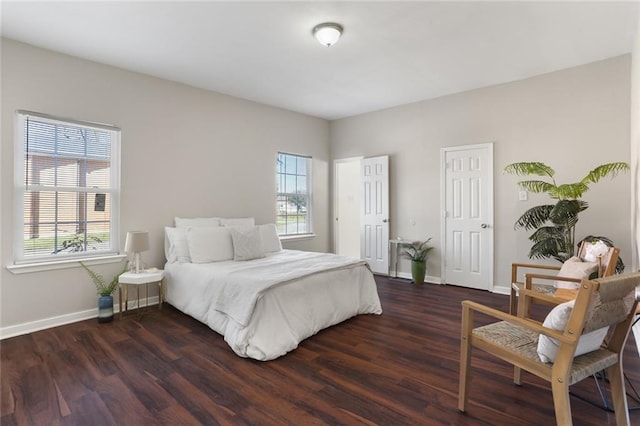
[(67, 186), (293, 194)]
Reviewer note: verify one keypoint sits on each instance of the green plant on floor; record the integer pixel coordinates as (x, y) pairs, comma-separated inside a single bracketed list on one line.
[(103, 287), (555, 223), (418, 251)]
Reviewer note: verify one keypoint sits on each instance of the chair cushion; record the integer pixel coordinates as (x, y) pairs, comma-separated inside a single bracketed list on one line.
[(575, 268), (557, 320)]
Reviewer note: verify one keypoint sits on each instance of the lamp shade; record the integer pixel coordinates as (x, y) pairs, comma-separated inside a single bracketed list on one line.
[(136, 242), (328, 33)]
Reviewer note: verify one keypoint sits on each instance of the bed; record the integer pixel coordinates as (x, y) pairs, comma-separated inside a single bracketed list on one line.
[(263, 299)]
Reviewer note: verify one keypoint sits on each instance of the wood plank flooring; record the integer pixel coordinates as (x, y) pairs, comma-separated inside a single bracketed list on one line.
[(166, 368)]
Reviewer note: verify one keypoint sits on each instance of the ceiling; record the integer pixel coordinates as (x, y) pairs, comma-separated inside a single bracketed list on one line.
[(391, 53)]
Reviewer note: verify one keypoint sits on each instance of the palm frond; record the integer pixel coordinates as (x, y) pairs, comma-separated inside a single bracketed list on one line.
[(547, 233), (547, 248), (609, 169), (565, 212), (534, 218), (529, 168), (569, 191), (536, 186)]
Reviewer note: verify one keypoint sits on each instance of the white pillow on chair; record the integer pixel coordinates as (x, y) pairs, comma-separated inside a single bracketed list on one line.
[(557, 320), (575, 268)]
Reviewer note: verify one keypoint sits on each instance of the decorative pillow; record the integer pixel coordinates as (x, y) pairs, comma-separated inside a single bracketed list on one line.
[(270, 240), (209, 244), (557, 320), (247, 243), (176, 248), (197, 222), (574, 268), (237, 221), (594, 250)]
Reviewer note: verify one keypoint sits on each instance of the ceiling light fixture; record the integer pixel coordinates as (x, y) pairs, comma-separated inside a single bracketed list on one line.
[(327, 33)]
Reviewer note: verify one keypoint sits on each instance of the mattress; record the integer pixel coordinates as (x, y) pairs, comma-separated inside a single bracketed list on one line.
[(265, 307)]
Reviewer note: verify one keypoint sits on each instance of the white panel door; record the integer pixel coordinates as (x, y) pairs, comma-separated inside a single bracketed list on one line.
[(468, 216), (375, 213)]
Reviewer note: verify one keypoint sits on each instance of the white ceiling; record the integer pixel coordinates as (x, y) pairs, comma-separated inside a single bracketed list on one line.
[(391, 53)]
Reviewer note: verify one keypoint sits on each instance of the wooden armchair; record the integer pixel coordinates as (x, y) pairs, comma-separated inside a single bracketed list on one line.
[(604, 302), (521, 277)]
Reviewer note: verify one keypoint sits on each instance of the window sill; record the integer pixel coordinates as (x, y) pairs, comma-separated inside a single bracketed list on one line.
[(299, 237), (63, 264)]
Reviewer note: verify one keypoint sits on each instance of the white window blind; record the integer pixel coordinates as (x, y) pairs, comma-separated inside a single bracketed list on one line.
[(293, 194), (67, 188)]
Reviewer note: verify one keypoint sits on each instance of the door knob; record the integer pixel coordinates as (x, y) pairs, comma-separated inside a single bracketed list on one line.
[(484, 226), (385, 220)]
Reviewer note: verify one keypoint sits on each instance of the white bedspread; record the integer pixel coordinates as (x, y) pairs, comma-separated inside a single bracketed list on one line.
[(265, 307)]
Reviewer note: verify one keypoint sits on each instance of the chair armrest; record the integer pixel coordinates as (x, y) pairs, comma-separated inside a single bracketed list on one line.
[(515, 266), (530, 277), (525, 292), (535, 266), (536, 327)]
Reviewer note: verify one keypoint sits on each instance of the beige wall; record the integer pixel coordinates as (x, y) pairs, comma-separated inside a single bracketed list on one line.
[(635, 155), (185, 152), (572, 120)]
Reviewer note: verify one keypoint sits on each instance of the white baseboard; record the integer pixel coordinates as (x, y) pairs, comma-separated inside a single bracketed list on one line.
[(30, 327), (501, 290), (428, 279)]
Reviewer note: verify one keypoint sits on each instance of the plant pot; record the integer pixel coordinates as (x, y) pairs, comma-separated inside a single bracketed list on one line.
[(418, 271), (105, 308)]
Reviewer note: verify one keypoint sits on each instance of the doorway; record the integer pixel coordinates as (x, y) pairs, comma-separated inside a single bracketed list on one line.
[(361, 210), (347, 207), (467, 222)]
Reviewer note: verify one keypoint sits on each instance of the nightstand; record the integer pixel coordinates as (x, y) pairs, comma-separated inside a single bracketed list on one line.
[(146, 277)]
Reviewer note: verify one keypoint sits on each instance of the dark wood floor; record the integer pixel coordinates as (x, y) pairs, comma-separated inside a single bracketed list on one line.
[(166, 368)]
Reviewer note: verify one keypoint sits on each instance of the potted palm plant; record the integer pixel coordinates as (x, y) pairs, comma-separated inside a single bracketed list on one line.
[(417, 252), (555, 223), (104, 290)]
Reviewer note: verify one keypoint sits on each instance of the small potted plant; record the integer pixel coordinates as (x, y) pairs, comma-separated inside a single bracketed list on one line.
[(418, 252), (104, 289)]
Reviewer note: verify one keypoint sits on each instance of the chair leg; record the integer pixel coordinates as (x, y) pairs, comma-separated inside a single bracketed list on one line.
[(517, 376), (465, 357), (561, 402), (618, 394), (513, 302)]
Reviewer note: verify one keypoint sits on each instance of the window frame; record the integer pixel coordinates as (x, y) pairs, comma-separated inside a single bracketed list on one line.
[(21, 262), (309, 207)]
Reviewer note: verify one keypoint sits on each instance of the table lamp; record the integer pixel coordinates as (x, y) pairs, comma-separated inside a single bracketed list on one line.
[(137, 241)]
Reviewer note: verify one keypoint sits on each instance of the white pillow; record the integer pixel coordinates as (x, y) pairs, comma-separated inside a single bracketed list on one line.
[(209, 244), (176, 248), (247, 243), (197, 222), (575, 268), (557, 320), (237, 221), (270, 240)]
